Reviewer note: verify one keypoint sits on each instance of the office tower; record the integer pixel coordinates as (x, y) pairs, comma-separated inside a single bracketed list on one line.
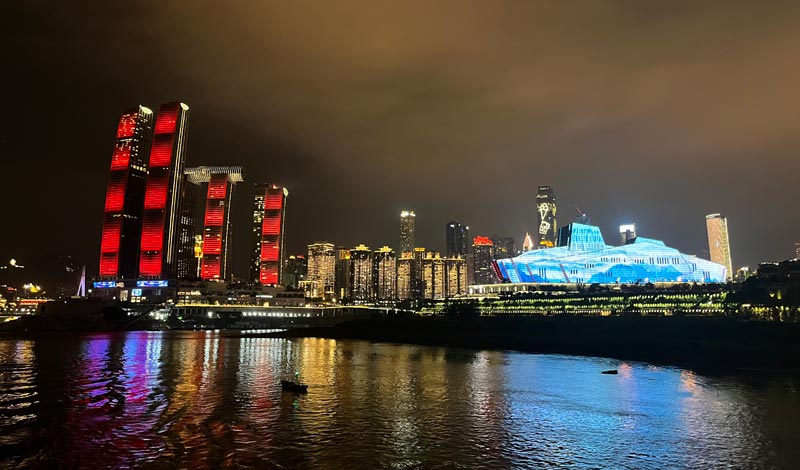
[(218, 182), (295, 271), (455, 272), (360, 274), (269, 218), (483, 252), (718, 242), (433, 276), (158, 252), (321, 270), (407, 231), (546, 215), (627, 233), (504, 247), (404, 276), (122, 220), (527, 243), (457, 236), (189, 257), (384, 274)]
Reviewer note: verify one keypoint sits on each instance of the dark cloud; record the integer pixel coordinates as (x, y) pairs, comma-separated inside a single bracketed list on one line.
[(653, 112)]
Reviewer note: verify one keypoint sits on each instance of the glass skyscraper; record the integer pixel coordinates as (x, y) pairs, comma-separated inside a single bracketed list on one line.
[(269, 219), (457, 239), (122, 220), (159, 241)]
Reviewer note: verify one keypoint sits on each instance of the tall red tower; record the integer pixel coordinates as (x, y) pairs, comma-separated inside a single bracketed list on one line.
[(216, 222), (122, 220), (268, 234), (159, 242)]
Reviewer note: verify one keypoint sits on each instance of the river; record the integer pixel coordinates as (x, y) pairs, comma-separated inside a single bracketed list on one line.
[(204, 400)]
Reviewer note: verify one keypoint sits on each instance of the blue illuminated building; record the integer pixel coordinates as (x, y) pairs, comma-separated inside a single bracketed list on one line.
[(583, 257)]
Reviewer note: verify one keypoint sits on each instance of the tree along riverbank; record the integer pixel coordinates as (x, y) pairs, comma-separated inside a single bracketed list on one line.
[(703, 343)]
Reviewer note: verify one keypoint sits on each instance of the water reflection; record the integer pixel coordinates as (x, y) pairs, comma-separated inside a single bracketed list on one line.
[(205, 400)]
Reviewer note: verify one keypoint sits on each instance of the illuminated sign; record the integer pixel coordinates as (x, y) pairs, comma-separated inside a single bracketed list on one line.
[(152, 283), (136, 292), (105, 285)]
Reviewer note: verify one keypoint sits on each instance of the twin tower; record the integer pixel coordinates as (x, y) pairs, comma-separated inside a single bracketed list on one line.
[(151, 218)]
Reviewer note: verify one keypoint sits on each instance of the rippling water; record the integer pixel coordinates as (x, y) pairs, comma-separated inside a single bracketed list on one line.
[(199, 400)]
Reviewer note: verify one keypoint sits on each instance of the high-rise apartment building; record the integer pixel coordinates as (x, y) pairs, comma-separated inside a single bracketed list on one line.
[(342, 282), (483, 253), (457, 239), (360, 274), (546, 217), (269, 218), (718, 242), (218, 183), (455, 276), (384, 274), (321, 270), (122, 220), (404, 270), (407, 219), (159, 241), (433, 276)]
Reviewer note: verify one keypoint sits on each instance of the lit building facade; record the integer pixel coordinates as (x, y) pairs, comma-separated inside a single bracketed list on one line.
[(407, 220), (483, 254), (404, 276), (384, 274), (583, 257), (220, 182), (342, 285), (433, 276), (321, 270), (269, 219), (122, 219), (797, 250), (457, 239), (189, 258), (546, 217), (360, 274), (455, 269), (718, 243), (159, 240)]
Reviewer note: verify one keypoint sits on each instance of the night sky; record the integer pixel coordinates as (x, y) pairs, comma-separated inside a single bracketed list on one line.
[(656, 113)]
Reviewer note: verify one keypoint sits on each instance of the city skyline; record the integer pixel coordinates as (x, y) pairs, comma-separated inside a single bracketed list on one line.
[(646, 144)]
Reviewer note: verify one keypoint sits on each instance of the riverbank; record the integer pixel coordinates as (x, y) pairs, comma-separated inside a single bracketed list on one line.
[(703, 343)]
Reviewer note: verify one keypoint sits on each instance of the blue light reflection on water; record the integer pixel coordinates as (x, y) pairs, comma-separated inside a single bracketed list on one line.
[(202, 399)]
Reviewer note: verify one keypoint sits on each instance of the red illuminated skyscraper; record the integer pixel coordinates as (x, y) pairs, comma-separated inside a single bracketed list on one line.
[(219, 182), (158, 254), (122, 223), (269, 213)]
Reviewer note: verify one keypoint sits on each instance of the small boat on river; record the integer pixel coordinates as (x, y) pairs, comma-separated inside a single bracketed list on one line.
[(292, 386)]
